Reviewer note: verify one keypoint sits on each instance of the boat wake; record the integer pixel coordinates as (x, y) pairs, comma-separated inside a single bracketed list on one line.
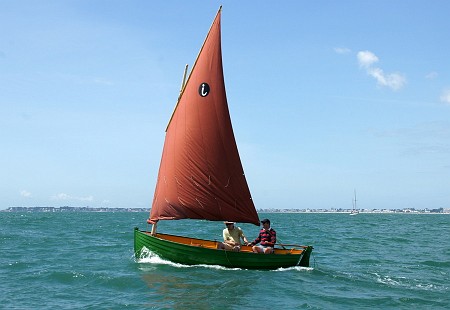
[(410, 283)]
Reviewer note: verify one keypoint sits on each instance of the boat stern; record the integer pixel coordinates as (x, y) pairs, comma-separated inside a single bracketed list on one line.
[(304, 261)]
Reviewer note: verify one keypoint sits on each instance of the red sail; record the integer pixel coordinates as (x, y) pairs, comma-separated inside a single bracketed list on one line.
[(201, 175)]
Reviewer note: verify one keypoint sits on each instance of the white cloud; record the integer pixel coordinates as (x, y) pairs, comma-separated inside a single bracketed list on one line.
[(62, 196), (342, 50), (25, 193), (394, 81), (366, 59), (445, 96)]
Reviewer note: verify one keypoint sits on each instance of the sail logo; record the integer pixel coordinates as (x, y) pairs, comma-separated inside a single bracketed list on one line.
[(203, 90)]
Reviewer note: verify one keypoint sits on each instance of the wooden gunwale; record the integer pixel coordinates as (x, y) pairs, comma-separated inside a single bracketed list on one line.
[(210, 244)]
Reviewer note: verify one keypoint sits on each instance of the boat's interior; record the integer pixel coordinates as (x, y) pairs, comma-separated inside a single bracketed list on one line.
[(279, 248)]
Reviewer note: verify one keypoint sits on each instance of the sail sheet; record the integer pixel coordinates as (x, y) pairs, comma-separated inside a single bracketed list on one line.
[(200, 174)]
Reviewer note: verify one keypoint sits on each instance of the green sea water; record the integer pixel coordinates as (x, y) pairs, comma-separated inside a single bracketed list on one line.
[(85, 261)]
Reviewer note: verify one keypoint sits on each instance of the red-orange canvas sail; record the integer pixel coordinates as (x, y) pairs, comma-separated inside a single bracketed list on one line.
[(201, 175)]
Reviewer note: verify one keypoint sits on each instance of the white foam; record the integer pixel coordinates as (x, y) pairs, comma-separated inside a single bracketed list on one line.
[(297, 268), (149, 257)]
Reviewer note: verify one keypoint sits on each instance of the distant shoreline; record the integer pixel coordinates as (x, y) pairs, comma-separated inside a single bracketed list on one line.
[(288, 211)]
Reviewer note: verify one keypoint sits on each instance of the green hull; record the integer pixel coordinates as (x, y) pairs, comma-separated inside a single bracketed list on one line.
[(195, 255)]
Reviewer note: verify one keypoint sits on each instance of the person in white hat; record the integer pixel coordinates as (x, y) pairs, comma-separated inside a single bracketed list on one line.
[(232, 237)]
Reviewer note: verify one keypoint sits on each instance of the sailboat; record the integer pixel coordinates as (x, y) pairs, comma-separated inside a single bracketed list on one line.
[(354, 210), (201, 175)]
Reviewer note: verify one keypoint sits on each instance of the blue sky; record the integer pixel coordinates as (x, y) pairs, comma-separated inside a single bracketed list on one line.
[(325, 97)]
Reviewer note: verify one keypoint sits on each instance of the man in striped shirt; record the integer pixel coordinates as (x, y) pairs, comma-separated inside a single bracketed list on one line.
[(266, 239)]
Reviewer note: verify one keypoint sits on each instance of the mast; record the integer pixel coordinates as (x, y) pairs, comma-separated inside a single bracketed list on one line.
[(184, 79)]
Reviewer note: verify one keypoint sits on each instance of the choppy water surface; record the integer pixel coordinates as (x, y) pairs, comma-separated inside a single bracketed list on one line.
[(85, 260)]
